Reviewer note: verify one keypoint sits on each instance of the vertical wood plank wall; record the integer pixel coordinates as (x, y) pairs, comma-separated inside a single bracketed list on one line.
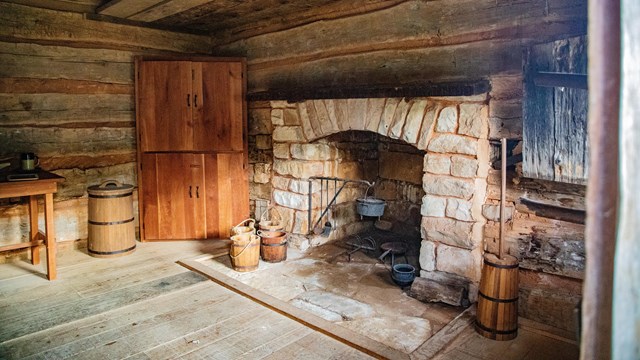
[(67, 94)]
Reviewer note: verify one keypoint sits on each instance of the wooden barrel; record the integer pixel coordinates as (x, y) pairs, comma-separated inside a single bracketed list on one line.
[(497, 313), (273, 246), (245, 254), (111, 226)]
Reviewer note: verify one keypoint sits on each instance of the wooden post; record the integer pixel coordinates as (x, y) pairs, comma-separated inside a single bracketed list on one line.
[(503, 191), (602, 187), (626, 304)]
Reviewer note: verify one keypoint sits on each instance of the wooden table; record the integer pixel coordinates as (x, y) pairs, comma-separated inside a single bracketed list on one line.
[(46, 185)]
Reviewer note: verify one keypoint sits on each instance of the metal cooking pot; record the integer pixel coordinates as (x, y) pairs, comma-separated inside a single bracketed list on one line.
[(370, 207)]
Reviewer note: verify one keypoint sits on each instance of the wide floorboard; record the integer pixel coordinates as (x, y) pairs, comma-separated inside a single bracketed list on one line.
[(143, 306)]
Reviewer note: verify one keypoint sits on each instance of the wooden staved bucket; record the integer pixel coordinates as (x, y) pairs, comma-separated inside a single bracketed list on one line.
[(111, 226), (246, 226), (497, 313), (271, 223), (245, 252), (273, 246)]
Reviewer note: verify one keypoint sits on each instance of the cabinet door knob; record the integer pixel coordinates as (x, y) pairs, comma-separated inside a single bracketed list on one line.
[(190, 196)]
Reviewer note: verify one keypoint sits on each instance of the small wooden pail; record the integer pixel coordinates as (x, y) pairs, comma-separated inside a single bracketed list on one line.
[(273, 246), (246, 226), (111, 226), (270, 223), (245, 252), (497, 313)]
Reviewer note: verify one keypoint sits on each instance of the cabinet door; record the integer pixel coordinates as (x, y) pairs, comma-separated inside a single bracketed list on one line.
[(172, 199), (219, 108), (227, 193), (164, 102)]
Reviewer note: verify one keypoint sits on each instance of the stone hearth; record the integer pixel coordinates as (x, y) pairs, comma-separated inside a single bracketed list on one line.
[(379, 140)]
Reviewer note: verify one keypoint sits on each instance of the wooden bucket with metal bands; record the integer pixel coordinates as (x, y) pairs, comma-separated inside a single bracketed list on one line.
[(111, 220), (497, 312), (245, 252), (273, 246)]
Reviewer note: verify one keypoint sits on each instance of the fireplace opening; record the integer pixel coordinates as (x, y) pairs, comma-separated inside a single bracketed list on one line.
[(394, 169)]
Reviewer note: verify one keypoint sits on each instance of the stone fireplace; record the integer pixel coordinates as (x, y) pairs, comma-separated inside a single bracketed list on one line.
[(428, 157)]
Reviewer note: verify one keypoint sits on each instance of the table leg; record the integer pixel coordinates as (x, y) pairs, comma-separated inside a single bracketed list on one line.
[(33, 229), (50, 237)]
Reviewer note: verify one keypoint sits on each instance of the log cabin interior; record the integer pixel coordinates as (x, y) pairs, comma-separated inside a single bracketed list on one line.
[(388, 149)]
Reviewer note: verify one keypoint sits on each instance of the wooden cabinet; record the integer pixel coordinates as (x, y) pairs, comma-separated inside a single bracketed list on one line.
[(190, 105), (192, 146)]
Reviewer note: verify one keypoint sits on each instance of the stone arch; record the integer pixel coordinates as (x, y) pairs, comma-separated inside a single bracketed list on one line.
[(452, 131)]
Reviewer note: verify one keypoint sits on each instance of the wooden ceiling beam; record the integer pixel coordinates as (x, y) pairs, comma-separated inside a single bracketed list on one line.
[(125, 8), (375, 91), (166, 8)]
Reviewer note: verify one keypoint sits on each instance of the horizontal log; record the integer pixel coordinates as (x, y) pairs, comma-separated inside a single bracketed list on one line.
[(58, 109), (551, 79), (427, 290), (76, 161), (77, 180), (345, 92), (431, 23), (393, 68), (82, 6), (61, 86), (57, 141), (551, 211), (27, 24)]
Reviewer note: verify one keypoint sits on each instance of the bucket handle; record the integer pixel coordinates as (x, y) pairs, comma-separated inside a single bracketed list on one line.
[(252, 221), (243, 249), (262, 218), (259, 233), (110, 182)]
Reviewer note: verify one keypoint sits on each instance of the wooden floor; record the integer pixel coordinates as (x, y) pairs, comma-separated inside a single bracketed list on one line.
[(146, 306), (143, 306)]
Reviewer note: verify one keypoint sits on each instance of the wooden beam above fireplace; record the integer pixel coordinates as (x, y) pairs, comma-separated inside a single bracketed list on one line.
[(376, 91)]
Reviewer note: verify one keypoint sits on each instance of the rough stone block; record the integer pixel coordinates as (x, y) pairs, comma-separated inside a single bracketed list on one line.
[(433, 206), (259, 191), (262, 173), (463, 262), (280, 182), (399, 118), (386, 119), (463, 166), (281, 104), (299, 186), (281, 150), (459, 209), (301, 222), (413, 122), (386, 190), (473, 120), (350, 170), (260, 122), (448, 231), (437, 164), (263, 142), (427, 290), (447, 120), (277, 117), (427, 255), (375, 106), (448, 186), (401, 166), (291, 117), (291, 200), (288, 134), (298, 241), (492, 212), (298, 169), (426, 130), (312, 151), (449, 143), (305, 120), (357, 109)]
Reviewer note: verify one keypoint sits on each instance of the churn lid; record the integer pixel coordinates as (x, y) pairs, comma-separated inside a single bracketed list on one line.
[(110, 187)]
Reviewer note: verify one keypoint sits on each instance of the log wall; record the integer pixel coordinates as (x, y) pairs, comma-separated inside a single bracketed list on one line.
[(411, 42), (67, 94)]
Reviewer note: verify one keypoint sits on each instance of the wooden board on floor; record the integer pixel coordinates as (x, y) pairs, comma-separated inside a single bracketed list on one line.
[(314, 322)]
